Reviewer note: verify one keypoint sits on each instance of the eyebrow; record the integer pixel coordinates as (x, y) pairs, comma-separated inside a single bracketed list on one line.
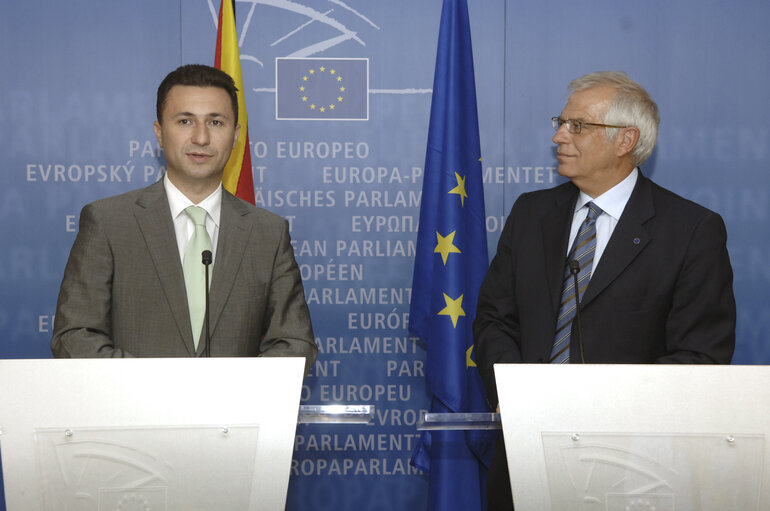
[(209, 115)]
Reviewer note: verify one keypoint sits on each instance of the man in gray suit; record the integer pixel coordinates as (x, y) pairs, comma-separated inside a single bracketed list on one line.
[(124, 293)]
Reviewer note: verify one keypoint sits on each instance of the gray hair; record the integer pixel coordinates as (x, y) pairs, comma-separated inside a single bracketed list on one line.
[(632, 106)]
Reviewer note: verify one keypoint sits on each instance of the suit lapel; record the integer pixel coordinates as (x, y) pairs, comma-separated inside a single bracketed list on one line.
[(556, 229), (234, 232), (154, 218), (627, 241)]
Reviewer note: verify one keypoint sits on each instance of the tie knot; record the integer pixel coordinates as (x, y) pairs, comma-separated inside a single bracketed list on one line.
[(197, 214), (593, 211)]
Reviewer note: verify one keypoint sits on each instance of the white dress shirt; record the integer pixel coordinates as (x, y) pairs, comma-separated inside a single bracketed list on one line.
[(612, 202), (183, 224)]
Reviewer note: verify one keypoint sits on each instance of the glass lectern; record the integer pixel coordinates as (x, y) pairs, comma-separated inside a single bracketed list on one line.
[(631, 437), (153, 434)]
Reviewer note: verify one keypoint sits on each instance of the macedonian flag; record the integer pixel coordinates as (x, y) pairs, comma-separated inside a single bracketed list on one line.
[(237, 178)]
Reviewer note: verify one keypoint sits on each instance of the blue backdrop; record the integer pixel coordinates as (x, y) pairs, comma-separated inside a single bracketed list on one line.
[(77, 95)]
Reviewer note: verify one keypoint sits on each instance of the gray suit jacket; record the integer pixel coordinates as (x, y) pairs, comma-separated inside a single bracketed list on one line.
[(123, 292)]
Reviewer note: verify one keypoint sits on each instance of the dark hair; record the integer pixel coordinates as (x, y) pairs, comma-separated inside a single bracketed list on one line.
[(200, 76)]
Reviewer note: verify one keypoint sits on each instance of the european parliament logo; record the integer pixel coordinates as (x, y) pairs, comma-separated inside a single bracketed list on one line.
[(318, 89)]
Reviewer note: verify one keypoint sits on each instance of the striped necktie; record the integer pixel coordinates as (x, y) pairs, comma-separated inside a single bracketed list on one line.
[(194, 271), (583, 252)]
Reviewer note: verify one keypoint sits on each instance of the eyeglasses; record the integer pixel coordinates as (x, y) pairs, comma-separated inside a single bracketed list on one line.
[(575, 126)]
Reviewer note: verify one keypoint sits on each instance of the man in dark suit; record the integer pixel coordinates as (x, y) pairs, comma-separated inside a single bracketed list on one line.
[(655, 281), (124, 292)]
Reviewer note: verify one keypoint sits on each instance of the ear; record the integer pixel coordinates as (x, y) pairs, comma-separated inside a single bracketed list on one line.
[(626, 140), (158, 132), (237, 132)]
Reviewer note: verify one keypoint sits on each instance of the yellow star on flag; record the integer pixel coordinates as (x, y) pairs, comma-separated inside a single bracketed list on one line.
[(453, 309), (460, 188), (468, 360), (445, 246)]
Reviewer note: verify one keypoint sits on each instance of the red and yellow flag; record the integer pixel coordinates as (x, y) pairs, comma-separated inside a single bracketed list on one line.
[(237, 178)]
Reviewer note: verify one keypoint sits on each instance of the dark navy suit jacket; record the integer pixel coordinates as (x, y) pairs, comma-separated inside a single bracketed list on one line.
[(661, 292)]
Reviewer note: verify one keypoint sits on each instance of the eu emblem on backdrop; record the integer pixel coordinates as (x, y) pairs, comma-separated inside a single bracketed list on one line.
[(317, 89)]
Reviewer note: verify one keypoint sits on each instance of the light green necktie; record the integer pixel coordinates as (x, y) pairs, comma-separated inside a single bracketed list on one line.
[(194, 271)]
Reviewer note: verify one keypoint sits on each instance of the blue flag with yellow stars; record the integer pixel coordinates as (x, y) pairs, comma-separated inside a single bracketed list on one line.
[(450, 264), (315, 89)]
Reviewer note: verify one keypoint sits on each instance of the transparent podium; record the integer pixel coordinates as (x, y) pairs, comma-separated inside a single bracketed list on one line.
[(192, 434), (459, 421), (636, 437), (631, 437)]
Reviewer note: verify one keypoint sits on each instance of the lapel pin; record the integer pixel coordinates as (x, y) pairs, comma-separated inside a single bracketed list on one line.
[(637, 241)]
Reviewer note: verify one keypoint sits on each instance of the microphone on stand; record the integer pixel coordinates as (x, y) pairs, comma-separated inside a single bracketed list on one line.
[(206, 258), (574, 268)]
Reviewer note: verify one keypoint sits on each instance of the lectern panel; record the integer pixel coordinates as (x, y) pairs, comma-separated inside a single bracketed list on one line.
[(582, 437), (148, 434), (205, 467), (620, 472)]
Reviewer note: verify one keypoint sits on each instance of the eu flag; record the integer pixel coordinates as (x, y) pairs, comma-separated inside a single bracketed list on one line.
[(450, 264), (313, 89)]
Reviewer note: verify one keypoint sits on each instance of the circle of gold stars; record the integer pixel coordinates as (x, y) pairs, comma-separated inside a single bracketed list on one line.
[(306, 89), (132, 502)]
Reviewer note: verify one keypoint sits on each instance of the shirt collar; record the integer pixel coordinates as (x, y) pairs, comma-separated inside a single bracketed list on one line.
[(614, 200), (178, 201)]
